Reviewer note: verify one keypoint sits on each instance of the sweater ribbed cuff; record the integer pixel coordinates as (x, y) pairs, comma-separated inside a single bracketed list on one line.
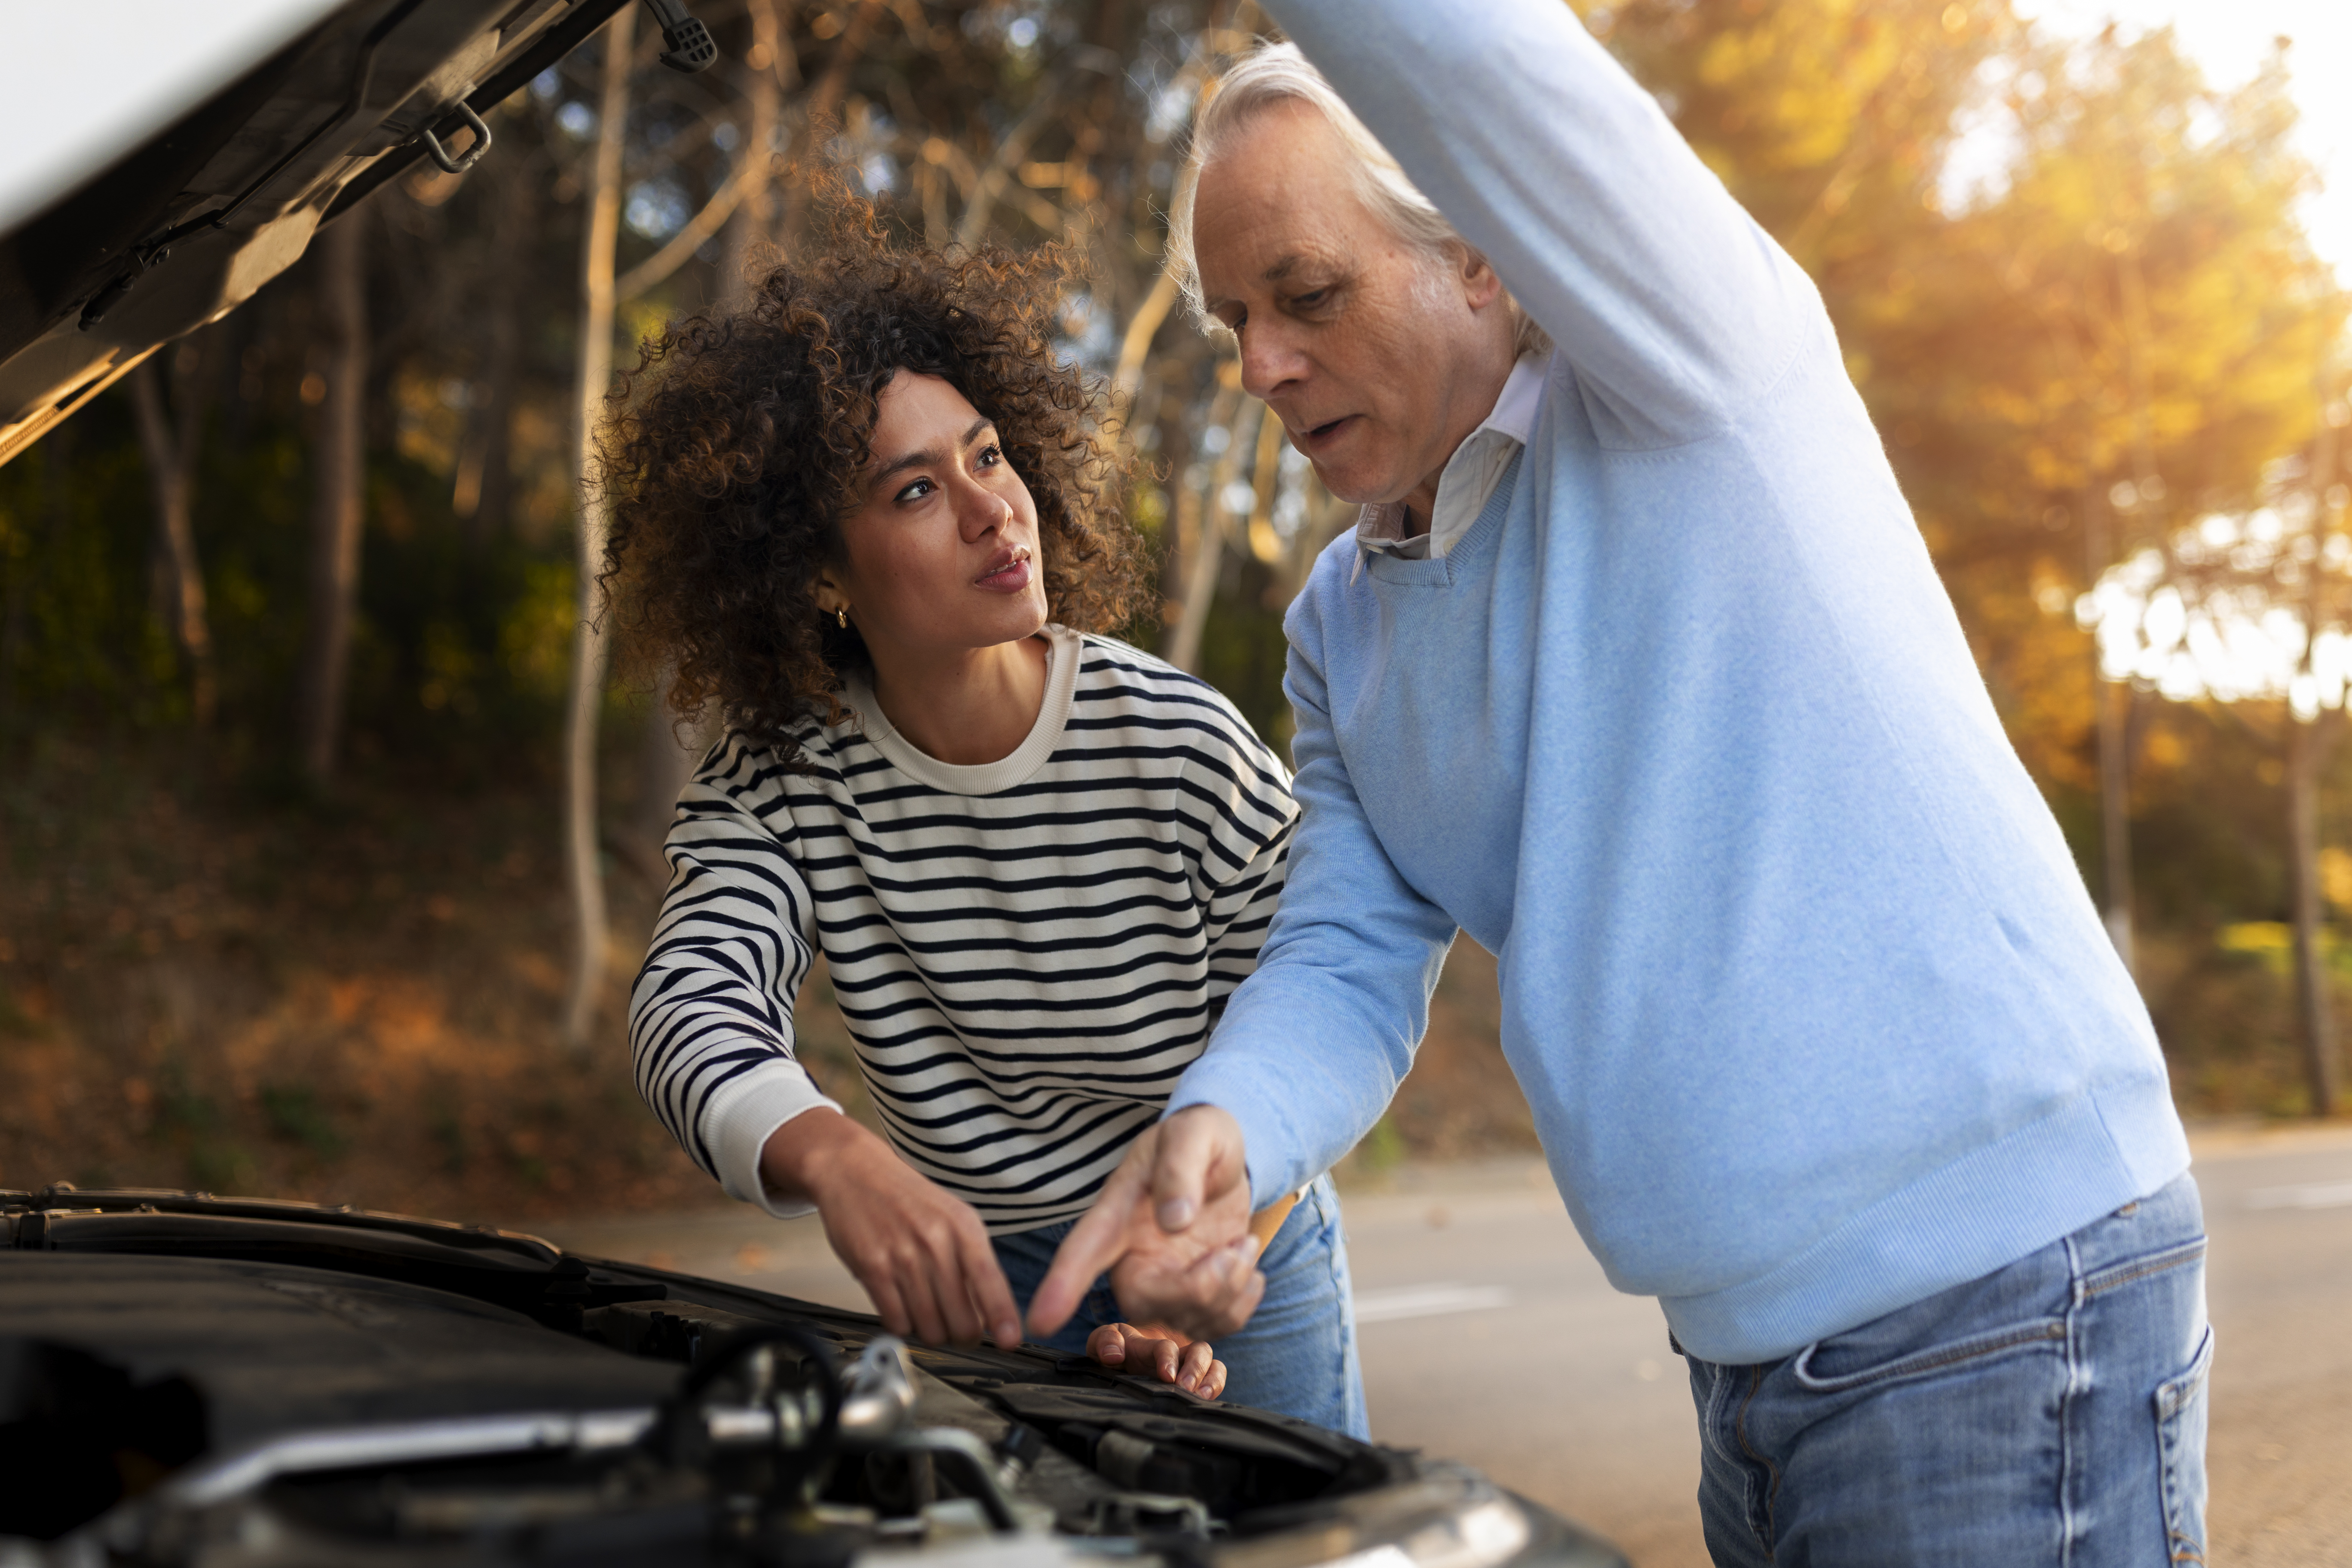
[(741, 1117), (1268, 1157)]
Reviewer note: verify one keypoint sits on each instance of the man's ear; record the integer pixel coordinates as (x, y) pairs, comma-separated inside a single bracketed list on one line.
[(1481, 285)]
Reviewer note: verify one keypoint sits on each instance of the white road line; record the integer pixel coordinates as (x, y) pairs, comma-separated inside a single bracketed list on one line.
[(2310, 1195), (1427, 1302)]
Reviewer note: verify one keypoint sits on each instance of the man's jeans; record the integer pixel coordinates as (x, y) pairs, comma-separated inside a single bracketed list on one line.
[(2050, 1412), (1297, 1354)]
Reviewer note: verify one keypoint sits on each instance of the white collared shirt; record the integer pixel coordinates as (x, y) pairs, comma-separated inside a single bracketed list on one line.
[(1469, 476)]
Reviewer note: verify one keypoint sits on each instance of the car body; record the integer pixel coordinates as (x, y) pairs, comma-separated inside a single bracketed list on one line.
[(230, 1383)]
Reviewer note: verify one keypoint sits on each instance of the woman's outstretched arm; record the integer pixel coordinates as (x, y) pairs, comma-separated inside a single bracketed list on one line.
[(711, 1024), (711, 1027), (710, 1016)]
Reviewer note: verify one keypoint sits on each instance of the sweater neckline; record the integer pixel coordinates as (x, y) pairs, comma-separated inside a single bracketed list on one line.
[(1064, 649), (1474, 542)]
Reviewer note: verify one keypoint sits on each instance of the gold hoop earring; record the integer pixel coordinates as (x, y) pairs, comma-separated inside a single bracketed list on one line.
[(840, 617)]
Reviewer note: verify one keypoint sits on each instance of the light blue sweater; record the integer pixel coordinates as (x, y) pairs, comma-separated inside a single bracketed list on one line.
[(1805, 991)]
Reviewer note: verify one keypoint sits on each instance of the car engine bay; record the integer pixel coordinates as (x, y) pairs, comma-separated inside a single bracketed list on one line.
[(243, 1384)]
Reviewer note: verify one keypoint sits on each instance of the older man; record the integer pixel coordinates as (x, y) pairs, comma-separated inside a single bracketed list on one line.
[(1637, 670)]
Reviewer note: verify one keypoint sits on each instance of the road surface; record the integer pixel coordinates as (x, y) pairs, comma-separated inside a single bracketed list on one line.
[(1490, 1336)]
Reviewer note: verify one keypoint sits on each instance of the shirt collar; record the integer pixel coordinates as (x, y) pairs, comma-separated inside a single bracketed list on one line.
[(1510, 423), (1522, 394)]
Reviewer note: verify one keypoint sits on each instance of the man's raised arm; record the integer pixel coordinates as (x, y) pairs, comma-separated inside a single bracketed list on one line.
[(1671, 305), (1313, 1044)]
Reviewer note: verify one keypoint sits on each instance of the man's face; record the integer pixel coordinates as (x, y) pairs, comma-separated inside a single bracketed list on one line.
[(1378, 357)]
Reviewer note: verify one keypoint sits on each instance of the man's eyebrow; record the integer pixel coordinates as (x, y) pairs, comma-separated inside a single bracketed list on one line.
[(1283, 268), (930, 456)]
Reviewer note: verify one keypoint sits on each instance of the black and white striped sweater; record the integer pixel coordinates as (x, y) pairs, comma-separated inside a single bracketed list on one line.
[(1028, 953)]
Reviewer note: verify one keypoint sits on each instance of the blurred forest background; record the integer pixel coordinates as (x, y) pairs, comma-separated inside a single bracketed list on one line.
[(286, 619)]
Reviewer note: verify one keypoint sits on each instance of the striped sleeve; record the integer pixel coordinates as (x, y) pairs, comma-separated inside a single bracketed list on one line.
[(1247, 855), (1238, 915), (710, 1018)]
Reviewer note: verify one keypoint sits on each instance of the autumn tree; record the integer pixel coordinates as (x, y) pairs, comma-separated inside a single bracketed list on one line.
[(2126, 332), (2255, 609), (2068, 279)]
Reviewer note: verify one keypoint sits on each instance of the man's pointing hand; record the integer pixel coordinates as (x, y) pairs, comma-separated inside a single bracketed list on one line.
[(1172, 1229)]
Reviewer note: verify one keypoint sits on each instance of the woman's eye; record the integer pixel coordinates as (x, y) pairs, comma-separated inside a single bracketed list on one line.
[(989, 457), (917, 491)]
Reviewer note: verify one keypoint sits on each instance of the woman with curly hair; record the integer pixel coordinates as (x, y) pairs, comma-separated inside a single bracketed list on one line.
[(869, 520)]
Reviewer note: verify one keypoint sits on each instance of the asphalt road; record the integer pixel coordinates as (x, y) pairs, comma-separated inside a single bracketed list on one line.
[(1490, 1336)]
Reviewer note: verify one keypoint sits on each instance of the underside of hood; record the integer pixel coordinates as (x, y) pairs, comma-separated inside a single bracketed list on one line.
[(201, 212)]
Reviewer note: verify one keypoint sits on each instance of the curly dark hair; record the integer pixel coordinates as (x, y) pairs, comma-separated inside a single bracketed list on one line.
[(732, 452)]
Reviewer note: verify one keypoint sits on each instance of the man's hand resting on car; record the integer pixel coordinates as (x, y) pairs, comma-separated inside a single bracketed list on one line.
[(1172, 1227), (923, 1255)]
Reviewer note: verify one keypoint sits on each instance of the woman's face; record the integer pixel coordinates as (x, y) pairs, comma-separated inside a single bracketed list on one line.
[(940, 556)]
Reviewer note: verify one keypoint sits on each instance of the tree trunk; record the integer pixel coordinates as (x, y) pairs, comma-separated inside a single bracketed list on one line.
[(669, 756), (171, 472), (1135, 345), (518, 224), (2306, 757), (588, 648), (2115, 761), (2307, 748), (817, 110), (339, 472), (750, 229), (53, 456), (667, 763), (1208, 550), (2114, 822)]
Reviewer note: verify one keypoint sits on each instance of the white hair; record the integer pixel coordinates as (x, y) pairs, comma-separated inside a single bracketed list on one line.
[(1278, 73)]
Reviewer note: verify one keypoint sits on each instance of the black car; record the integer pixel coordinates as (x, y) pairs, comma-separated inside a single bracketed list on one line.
[(239, 1383)]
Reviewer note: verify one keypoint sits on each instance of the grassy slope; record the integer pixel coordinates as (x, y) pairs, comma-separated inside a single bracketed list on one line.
[(201, 987)]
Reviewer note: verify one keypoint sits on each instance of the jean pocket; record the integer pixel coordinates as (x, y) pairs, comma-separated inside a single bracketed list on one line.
[(2181, 1455), (1820, 1368), (2131, 1270)]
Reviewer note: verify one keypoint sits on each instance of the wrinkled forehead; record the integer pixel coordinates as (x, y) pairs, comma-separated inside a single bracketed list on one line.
[(1283, 151), (1276, 193)]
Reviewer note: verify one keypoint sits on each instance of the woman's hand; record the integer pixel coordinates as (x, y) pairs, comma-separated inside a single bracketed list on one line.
[(1163, 1353), (921, 1253)]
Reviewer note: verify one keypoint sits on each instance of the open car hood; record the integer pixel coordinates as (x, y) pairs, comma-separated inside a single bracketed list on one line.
[(213, 1383), (171, 189)]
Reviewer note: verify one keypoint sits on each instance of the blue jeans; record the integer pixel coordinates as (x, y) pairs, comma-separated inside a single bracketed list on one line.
[(1295, 1356), (2050, 1412)]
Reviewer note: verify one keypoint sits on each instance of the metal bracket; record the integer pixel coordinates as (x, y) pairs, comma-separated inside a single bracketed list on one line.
[(686, 43), (1154, 1513), (472, 155)]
